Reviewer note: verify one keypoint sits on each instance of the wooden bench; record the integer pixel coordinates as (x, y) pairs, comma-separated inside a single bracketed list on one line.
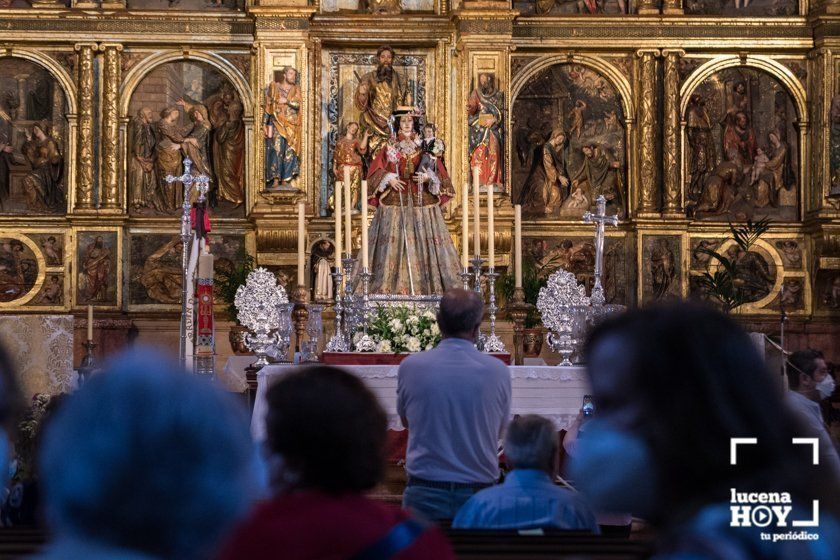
[(498, 545), (19, 542)]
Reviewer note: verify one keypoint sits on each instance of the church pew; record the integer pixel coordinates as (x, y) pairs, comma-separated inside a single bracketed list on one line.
[(470, 544)]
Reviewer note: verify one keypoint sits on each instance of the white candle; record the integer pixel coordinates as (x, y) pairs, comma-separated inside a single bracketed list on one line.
[(348, 213), (465, 225), (364, 225), (301, 263), (517, 244), (476, 214), (491, 229), (337, 213), (90, 323)]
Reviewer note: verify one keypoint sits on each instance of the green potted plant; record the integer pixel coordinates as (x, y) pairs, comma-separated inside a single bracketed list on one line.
[(727, 284), (534, 277), (228, 281)]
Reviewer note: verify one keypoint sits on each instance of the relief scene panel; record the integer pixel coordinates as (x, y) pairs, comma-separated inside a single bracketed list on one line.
[(569, 143), (155, 265), (97, 260), (568, 7), (20, 270), (33, 140), (180, 110), (577, 255), (741, 8), (741, 148)]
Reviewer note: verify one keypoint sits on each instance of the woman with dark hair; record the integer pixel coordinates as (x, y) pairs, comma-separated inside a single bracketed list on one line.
[(674, 385), (326, 437)]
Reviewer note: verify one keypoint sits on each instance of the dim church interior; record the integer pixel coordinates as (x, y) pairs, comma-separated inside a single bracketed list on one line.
[(686, 115)]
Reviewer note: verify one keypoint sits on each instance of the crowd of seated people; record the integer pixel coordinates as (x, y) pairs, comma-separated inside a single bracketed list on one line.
[(147, 462)]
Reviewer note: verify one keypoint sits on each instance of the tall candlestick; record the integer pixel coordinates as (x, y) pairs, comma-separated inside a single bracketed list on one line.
[(517, 245), (477, 213), (348, 213), (465, 226), (364, 225), (90, 323), (301, 243), (337, 212), (491, 229)]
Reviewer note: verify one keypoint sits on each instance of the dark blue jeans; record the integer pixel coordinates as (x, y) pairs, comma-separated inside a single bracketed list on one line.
[(435, 504)]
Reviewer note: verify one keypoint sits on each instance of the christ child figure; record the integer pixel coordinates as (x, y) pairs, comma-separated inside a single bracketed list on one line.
[(759, 163), (431, 149), (348, 160)]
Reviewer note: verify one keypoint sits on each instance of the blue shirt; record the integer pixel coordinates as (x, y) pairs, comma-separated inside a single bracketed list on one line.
[(457, 401), (527, 499)]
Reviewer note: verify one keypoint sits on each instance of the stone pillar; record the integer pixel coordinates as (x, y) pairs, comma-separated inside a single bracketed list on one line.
[(110, 189), (671, 180), (84, 143), (647, 132)]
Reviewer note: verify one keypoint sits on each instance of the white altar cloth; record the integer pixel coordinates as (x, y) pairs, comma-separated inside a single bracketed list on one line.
[(550, 391)]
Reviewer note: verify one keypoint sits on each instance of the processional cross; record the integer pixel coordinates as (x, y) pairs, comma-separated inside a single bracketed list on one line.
[(600, 219), (202, 185)]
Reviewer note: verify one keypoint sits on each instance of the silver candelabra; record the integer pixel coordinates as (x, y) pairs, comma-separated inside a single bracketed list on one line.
[(366, 342), (338, 342), (492, 343)]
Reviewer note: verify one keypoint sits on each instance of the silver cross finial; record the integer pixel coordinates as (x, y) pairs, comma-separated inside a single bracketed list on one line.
[(600, 219)]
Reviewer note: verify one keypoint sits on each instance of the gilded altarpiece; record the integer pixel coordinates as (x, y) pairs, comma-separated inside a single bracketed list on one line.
[(687, 123)]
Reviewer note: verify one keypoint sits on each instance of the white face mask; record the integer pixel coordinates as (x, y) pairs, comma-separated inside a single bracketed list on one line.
[(826, 387)]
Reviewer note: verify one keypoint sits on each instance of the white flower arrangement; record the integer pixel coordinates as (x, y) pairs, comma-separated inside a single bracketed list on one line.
[(401, 328)]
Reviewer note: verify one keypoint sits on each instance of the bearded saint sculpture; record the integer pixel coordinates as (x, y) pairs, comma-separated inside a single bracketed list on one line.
[(377, 96)]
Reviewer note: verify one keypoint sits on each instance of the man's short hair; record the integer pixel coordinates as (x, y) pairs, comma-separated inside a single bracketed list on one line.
[(460, 312), (329, 428), (531, 442), (145, 457), (803, 361)]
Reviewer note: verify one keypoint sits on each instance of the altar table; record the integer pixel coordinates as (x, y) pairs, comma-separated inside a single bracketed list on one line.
[(550, 391)]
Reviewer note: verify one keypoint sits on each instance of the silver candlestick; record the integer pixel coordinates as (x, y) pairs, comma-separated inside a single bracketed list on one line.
[(492, 343), (366, 342), (466, 276), (476, 272), (338, 343)]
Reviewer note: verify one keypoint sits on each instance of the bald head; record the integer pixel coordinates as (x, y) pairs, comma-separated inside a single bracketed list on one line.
[(460, 314)]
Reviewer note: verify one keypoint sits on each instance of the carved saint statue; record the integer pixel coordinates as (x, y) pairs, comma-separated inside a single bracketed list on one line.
[(377, 96), (281, 128), (484, 109), (142, 182), (348, 155), (43, 182), (410, 247)]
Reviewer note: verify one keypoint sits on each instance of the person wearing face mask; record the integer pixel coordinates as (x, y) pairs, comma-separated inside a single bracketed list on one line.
[(674, 385), (810, 384)]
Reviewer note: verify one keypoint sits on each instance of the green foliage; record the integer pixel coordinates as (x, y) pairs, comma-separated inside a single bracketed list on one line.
[(534, 278), (402, 328), (228, 281), (724, 284)]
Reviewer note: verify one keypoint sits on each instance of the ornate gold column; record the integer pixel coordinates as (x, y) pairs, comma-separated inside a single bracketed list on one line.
[(671, 186), (647, 130), (110, 188), (84, 143)]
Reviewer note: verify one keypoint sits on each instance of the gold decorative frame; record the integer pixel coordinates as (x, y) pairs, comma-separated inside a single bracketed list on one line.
[(42, 270)]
